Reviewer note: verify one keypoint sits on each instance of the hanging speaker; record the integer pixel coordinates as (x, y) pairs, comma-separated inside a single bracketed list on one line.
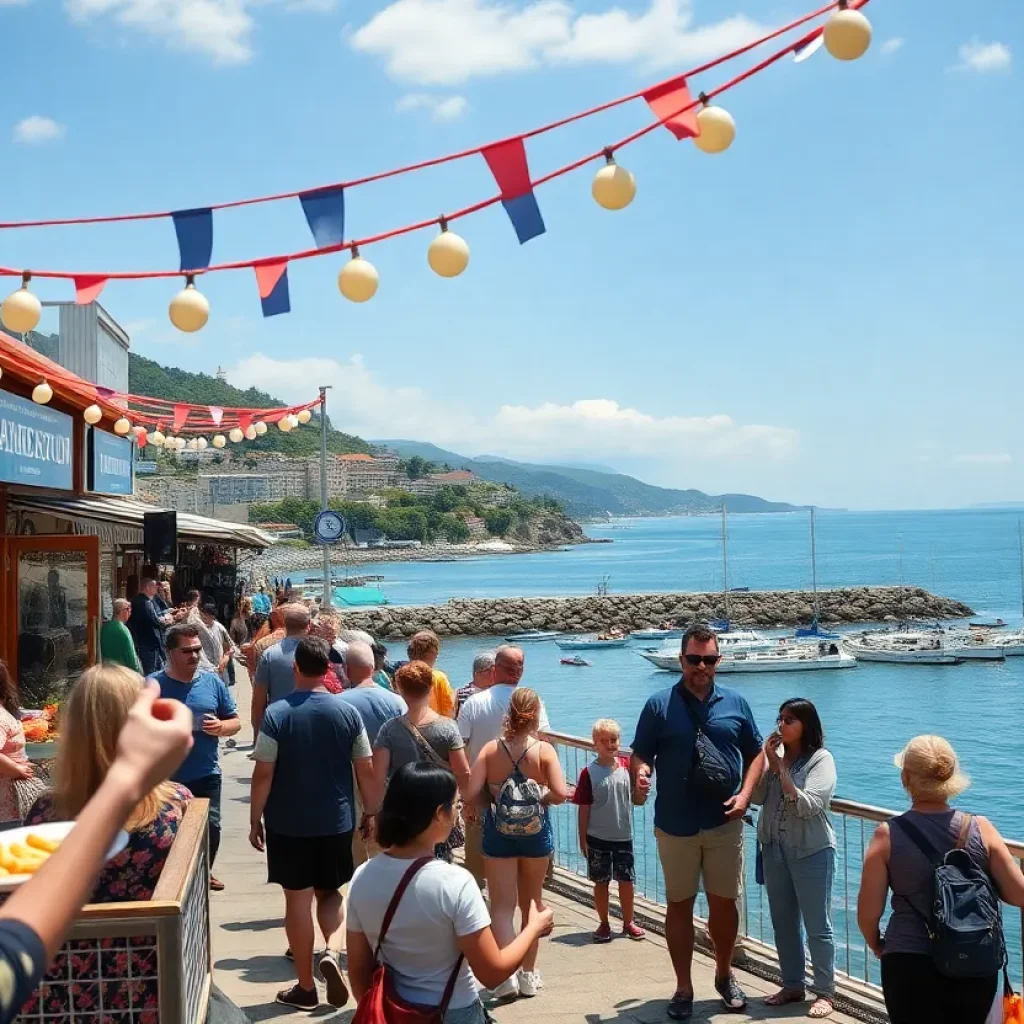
[(160, 537)]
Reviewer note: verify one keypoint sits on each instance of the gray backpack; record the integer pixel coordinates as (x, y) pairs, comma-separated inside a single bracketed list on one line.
[(519, 805)]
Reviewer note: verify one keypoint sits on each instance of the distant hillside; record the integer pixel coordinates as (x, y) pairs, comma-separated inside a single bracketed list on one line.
[(146, 377), (588, 492)]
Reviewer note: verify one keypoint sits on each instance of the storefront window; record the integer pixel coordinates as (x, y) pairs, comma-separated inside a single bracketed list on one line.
[(53, 623)]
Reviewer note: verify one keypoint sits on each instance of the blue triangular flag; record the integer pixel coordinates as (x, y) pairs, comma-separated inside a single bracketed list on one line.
[(325, 214), (194, 229), (524, 213)]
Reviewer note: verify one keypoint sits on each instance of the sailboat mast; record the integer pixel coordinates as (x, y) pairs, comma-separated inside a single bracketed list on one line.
[(725, 563), (814, 569), (1020, 551)]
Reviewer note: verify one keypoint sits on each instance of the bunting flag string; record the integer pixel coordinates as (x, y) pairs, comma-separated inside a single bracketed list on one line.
[(846, 34)]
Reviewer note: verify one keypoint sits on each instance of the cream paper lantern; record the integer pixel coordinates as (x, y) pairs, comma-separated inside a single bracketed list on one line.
[(189, 310), (192, 444), (42, 393), (250, 433), (305, 416), (21, 310), (219, 440), (235, 434), (358, 279), (202, 443), (448, 254), (284, 425), (293, 421), (613, 186), (847, 34), (92, 414), (717, 130), (157, 438), (122, 426), (261, 428)]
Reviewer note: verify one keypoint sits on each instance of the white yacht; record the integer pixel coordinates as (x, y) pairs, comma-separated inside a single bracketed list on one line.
[(904, 648), (656, 634), (974, 646), (789, 658)]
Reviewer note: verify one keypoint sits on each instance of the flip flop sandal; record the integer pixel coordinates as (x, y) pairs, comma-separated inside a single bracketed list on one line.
[(680, 1006)]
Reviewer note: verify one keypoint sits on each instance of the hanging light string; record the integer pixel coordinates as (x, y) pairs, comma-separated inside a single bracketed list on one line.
[(434, 161)]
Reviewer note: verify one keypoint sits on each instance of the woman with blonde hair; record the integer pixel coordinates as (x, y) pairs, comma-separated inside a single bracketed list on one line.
[(92, 719), (518, 776), (902, 857)]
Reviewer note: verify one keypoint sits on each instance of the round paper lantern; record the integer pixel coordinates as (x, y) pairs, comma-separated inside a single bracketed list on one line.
[(261, 428), (250, 433), (305, 416), (122, 426), (192, 445), (448, 254), (358, 279), (613, 186), (293, 421), (201, 443), (847, 34), (157, 438), (42, 393), (92, 414), (717, 130), (284, 425), (189, 309), (219, 440), (235, 434), (21, 310)]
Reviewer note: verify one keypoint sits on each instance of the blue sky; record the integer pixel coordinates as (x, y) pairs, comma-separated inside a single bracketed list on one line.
[(828, 312)]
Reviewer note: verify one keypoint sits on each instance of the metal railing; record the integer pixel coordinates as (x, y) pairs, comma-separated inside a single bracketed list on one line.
[(854, 825)]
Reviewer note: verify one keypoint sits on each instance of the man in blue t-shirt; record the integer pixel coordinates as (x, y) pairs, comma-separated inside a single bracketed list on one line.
[(311, 746), (213, 715), (698, 835)]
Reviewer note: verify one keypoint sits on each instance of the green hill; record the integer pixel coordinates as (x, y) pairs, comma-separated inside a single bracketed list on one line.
[(588, 492), (146, 377)]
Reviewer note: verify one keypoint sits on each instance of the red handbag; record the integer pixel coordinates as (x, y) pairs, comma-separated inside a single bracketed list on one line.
[(381, 1003)]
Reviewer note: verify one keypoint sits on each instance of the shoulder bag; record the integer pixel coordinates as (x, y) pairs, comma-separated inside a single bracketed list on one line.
[(711, 772)]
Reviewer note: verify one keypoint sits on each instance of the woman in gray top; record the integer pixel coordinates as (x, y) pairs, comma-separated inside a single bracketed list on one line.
[(421, 734), (798, 850), (914, 989)]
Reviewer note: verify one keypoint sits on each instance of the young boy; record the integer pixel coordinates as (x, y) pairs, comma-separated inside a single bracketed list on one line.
[(604, 797)]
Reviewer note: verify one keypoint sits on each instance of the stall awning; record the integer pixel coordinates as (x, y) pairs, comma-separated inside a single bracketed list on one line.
[(130, 513)]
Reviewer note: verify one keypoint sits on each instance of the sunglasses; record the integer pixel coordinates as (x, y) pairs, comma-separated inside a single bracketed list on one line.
[(707, 659), (191, 650)]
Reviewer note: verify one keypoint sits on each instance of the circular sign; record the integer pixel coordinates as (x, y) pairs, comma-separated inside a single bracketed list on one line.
[(328, 527)]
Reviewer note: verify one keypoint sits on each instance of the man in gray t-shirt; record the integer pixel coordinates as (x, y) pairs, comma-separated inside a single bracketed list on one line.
[(275, 672)]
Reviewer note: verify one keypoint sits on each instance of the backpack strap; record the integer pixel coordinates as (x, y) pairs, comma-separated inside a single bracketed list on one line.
[(397, 898), (522, 756), (933, 854), (965, 830)]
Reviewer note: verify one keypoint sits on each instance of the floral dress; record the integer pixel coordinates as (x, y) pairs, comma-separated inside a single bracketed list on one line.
[(12, 745), (129, 989)]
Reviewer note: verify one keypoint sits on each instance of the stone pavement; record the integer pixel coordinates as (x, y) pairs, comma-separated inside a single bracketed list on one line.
[(625, 982)]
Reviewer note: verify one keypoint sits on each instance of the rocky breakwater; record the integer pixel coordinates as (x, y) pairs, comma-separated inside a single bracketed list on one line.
[(499, 616)]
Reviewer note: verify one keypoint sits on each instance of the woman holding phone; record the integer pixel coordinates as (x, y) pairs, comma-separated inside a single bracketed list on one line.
[(798, 849)]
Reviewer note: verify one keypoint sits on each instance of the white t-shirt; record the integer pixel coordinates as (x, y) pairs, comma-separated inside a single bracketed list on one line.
[(483, 715), (442, 902)]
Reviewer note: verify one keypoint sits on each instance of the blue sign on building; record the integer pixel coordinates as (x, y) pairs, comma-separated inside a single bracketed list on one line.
[(35, 444), (110, 463)]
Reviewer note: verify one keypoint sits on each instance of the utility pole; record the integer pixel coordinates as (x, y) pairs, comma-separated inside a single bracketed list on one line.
[(326, 603)]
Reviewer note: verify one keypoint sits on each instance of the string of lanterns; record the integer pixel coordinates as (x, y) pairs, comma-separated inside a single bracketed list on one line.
[(846, 35)]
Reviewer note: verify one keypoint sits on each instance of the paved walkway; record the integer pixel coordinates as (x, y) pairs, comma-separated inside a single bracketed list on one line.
[(626, 982)]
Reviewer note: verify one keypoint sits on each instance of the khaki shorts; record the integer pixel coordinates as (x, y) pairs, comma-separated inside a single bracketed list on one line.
[(716, 854)]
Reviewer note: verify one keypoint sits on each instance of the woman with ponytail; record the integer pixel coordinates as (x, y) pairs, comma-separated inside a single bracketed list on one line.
[(518, 776)]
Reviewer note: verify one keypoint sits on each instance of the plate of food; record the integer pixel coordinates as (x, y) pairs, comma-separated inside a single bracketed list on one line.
[(23, 851)]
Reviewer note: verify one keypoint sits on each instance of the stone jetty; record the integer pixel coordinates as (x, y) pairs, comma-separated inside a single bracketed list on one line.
[(766, 608)]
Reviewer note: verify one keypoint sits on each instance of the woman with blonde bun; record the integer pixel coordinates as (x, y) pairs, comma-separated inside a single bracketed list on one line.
[(914, 989)]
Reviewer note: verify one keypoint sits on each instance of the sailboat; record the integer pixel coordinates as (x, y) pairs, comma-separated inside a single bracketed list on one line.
[(1012, 644), (723, 625), (814, 630)]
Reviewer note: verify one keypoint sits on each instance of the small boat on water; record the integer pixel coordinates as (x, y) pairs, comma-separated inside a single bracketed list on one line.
[(590, 643), (790, 658), (575, 660), (988, 624), (656, 634), (532, 636), (974, 646), (902, 648)]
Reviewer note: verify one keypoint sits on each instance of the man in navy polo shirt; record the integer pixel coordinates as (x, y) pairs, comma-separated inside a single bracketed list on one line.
[(698, 836)]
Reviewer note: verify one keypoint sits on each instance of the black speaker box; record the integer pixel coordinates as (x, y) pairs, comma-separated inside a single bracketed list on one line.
[(160, 537)]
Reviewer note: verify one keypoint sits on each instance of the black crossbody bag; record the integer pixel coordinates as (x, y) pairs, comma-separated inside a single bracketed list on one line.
[(711, 772)]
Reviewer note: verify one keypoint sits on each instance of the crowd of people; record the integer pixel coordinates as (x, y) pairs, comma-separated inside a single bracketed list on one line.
[(374, 775)]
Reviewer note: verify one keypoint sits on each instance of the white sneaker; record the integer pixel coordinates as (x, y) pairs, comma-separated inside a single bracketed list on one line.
[(508, 989), (529, 982)]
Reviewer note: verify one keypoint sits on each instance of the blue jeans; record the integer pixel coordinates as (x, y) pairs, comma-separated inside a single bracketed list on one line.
[(802, 889), (208, 788)]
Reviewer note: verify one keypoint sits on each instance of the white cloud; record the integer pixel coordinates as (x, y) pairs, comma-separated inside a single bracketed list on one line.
[(445, 42), (440, 108), (984, 459), (890, 46), (590, 428), (35, 130), (983, 57)]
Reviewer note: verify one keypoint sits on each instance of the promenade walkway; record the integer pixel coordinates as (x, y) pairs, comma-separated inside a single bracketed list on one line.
[(624, 982)]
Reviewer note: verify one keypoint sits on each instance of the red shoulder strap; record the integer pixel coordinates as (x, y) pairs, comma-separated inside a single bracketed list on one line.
[(397, 898)]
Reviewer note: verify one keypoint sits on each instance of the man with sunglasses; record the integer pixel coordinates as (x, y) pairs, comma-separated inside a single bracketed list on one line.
[(698, 834), (214, 715)]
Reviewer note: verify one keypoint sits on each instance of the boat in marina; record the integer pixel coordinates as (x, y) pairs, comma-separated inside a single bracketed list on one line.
[(814, 630), (576, 659), (906, 648), (789, 658), (988, 624), (590, 643), (656, 634), (973, 646), (532, 636)]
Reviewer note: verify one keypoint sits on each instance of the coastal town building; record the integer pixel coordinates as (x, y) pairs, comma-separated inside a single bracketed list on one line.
[(433, 482)]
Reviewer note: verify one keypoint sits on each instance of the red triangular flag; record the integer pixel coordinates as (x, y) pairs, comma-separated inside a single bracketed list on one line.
[(666, 100), (216, 414), (180, 415), (244, 421), (88, 288)]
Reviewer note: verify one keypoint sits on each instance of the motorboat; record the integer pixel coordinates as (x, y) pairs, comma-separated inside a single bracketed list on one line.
[(575, 660), (925, 648), (988, 624), (656, 634), (791, 658), (532, 636), (590, 643), (974, 646), (666, 658)]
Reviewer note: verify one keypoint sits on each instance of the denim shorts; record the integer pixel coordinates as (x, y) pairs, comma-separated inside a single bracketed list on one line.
[(497, 844)]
